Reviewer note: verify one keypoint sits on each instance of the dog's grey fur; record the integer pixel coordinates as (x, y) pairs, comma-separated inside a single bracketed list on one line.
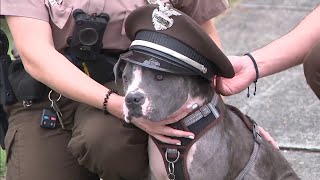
[(223, 151)]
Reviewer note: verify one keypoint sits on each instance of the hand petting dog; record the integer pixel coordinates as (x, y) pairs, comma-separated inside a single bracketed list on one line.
[(160, 131)]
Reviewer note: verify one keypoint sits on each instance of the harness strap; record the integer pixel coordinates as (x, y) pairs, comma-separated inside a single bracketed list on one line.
[(249, 122), (253, 126), (174, 156), (250, 162)]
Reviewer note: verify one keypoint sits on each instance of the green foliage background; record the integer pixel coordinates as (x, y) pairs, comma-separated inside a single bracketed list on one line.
[(2, 162), (5, 28)]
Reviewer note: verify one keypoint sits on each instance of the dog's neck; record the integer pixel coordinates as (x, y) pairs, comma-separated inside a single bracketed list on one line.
[(201, 91), (204, 99)]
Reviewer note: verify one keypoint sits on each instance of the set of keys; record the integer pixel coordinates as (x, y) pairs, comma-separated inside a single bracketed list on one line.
[(51, 115)]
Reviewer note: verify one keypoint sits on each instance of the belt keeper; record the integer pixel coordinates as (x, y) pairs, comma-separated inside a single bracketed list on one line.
[(105, 101), (257, 74)]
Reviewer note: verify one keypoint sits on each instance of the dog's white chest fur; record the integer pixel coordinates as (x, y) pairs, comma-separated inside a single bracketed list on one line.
[(157, 167)]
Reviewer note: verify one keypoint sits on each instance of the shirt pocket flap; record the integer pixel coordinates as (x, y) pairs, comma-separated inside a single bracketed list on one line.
[(123, 30), (59, 12)]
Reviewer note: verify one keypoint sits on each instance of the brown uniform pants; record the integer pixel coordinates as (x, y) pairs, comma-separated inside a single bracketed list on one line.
[(98, 143), (311, 67)]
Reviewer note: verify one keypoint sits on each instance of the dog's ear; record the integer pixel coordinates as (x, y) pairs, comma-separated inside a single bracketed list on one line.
[(118, 69)]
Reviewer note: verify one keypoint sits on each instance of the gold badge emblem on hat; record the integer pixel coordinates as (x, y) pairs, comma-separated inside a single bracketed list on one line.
[(152, 62), (152, 1), (53, 2), (161, 16)]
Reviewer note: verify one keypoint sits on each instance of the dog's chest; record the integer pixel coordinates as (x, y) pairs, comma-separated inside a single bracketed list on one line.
[(157, 166)]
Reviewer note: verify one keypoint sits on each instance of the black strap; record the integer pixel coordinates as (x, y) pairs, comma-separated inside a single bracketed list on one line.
[(257, 74)]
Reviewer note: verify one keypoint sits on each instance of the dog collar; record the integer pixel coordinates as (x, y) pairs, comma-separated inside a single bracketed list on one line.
[(203, 112)]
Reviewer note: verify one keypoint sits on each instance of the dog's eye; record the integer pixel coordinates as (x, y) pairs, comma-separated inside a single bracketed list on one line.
[(159, 77), (125, 78)]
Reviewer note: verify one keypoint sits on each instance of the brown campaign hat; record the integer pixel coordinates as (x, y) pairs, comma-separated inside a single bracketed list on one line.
[(166, 39)]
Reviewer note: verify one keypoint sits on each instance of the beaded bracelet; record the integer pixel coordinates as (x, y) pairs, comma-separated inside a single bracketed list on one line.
[(257, 74), (105, 101)]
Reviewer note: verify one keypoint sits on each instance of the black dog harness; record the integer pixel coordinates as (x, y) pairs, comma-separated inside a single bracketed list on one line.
[(199, 122)]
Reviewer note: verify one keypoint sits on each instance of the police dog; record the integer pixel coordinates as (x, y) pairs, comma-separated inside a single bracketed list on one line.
[(222, 152), (169, 65)]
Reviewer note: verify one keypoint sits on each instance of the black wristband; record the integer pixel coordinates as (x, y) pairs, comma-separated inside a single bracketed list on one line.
[(105, 101), (257, 73)]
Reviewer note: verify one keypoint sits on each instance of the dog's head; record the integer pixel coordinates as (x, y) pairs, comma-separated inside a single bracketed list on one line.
[(156, 95), (171, 62)]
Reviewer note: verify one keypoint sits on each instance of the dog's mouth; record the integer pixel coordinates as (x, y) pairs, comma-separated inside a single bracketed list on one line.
[(150, 113), (131, 113), (128, 118)]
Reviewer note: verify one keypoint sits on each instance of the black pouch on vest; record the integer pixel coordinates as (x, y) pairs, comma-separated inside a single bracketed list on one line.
[(6, 94), (24, 86)]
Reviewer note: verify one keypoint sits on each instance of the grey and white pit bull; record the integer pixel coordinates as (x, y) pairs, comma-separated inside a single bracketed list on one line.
[(227, 146)]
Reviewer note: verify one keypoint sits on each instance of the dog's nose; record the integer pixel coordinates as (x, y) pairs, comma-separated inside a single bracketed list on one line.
[(134, 99)]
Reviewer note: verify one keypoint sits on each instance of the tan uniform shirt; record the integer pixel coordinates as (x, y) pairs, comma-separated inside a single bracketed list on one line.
[(59, 14)]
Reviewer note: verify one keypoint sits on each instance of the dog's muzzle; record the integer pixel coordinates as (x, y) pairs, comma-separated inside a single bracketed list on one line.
[(134, 102)]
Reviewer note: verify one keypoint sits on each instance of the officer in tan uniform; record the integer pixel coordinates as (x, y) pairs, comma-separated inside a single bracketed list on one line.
[(90, 139)]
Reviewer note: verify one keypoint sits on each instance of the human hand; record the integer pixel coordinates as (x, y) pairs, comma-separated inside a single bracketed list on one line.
[(160, 131), (244, 76)]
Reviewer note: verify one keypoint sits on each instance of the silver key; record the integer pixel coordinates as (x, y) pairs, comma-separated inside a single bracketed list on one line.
[(58, 112), (55, 107)]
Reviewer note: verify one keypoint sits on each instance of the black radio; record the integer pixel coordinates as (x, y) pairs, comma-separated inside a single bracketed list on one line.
[(86, 41)]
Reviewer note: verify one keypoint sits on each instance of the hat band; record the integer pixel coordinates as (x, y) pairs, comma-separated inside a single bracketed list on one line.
[(171, 52)]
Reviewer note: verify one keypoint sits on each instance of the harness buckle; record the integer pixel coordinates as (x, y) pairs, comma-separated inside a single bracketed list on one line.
[(256, 133), (255, 130), (172, 151), (171, 174)]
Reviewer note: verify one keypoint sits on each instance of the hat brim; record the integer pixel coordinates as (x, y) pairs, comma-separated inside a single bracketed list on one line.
[(155, 62)]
